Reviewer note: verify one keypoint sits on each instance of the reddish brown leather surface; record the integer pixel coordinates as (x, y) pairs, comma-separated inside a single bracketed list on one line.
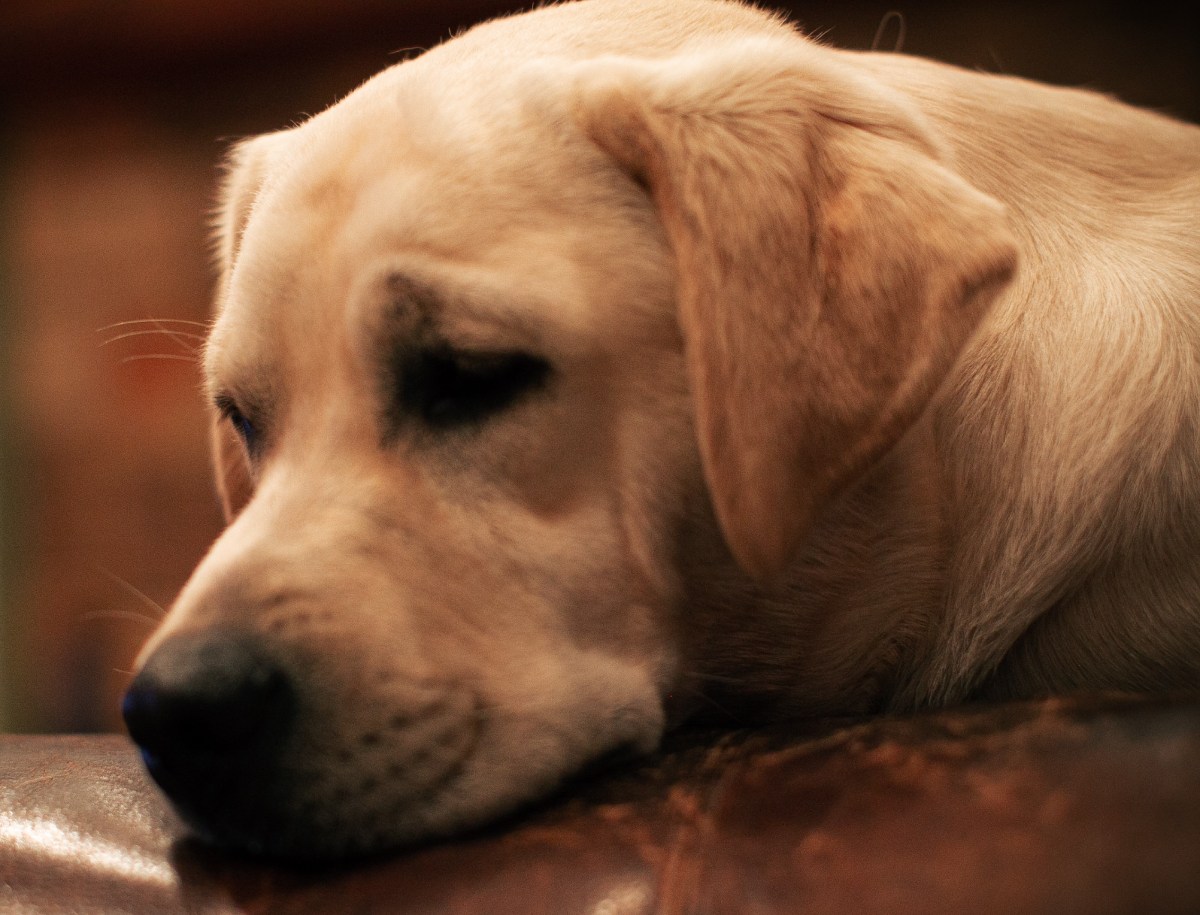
[(1057, 807)]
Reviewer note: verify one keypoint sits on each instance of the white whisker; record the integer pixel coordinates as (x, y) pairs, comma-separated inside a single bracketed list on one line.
[(130, 615), (169, 327), (156, 321), (140, 595), (176, 335), (168, 356)]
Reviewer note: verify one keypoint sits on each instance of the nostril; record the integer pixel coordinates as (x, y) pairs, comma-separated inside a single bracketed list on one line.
[(215, 692)]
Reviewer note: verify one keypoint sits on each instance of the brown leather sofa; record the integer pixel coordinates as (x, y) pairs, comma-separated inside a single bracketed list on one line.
[(1068, 806)]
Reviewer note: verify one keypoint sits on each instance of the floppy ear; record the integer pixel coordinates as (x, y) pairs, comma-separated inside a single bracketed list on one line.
[(245, 171), (830, 267)]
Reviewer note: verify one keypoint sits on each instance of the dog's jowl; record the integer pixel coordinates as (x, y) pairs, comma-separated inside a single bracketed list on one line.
[(633, 356)]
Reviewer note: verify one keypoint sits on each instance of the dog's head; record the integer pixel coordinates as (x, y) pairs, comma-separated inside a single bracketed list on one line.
[(500, 337)]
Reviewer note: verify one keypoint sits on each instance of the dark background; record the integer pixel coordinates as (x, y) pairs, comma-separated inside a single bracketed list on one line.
[(113, 116)]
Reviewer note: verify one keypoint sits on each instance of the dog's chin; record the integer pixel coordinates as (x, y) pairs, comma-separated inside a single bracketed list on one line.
[(317, 809), (309, 805), (276, 818)]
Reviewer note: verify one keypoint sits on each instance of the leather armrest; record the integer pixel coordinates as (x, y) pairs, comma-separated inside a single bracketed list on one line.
[(1085, 805)]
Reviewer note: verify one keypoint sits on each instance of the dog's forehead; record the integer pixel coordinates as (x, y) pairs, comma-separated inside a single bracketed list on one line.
[(481, 200), (459, 155), (355, 182), (460, 148)]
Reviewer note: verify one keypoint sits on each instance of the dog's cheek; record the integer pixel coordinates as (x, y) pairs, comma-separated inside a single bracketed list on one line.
[(545, 707), (231, 470)]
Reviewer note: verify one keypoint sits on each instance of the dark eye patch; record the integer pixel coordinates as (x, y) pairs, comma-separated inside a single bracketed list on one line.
[(448, 388)]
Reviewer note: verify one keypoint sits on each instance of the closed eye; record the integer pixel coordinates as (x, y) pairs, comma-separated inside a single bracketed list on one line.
[(242, 425), (448, 388)]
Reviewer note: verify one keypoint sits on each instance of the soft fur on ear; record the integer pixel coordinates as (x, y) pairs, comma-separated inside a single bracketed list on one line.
[(831, 266)]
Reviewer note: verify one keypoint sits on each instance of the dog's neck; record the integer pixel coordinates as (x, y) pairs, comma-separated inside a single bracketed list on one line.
[(837, 632)]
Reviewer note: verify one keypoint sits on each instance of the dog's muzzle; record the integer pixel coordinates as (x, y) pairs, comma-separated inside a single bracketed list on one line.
[(257, 759)]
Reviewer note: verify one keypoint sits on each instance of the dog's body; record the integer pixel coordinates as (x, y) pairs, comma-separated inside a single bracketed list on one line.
[(625, 358)]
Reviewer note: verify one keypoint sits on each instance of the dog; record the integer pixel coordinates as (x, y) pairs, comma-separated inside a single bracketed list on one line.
[(630, 360)]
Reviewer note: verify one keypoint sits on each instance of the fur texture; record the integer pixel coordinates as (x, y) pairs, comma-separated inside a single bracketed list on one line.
[(872, 384)]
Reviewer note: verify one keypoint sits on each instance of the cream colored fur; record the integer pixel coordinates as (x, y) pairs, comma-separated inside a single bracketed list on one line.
[(875, 385)]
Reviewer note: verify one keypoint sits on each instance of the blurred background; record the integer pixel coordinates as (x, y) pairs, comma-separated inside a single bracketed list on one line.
[(113, 117)]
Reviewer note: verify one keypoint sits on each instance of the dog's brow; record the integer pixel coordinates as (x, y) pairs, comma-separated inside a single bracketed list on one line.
[(410, 310), (417, 312)]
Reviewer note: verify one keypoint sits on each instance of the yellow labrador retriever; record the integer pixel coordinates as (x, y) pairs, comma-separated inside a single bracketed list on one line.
[(633, 357)]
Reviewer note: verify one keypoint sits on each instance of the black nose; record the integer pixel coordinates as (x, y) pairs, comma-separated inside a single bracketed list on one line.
[(200, 698)]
